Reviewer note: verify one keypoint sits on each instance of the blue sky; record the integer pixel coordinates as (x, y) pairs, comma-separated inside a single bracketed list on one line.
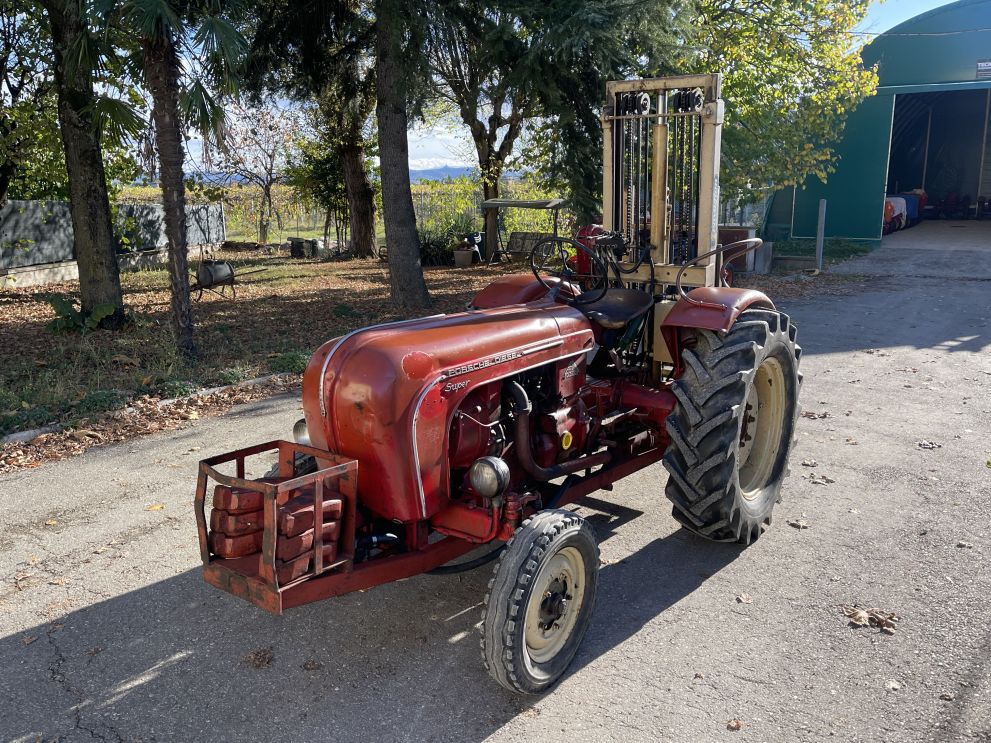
[(429, 148)]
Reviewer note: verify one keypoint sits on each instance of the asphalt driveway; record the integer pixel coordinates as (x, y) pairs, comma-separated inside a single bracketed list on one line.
[(108, 632)]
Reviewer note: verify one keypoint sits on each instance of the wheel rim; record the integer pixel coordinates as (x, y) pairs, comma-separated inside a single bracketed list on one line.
[(760, 434), (555, 604)]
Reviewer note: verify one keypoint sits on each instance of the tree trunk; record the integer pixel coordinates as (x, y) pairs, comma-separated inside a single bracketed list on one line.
[(327, 219), (162, 74), (361, 201), (409, 291), (264, 216), (93, 240), (490, 190), (8, 169)]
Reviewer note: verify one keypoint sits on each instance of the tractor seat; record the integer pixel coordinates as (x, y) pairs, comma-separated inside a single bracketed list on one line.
[(617, 307)]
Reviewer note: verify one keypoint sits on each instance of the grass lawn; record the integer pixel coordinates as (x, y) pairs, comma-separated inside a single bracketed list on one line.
[(834, 250), (279, 318), (281, 315)]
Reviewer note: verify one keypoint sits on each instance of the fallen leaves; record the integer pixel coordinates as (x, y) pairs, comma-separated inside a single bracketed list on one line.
[(809, 463), (312, 665), (813, 415), (873, 617), (926, 444), (83, 435), (965, 545), (51, 522), (261, 658), (155, 507), (892, 685), (734, 725), (144, 416), (28, 639), (817, 479), (798, 523), (744, 598)]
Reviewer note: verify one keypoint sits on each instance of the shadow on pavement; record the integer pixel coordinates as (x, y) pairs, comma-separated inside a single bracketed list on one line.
[(178, 660)]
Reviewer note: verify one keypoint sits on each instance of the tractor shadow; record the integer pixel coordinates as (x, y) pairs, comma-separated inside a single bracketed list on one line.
[(178, 660)]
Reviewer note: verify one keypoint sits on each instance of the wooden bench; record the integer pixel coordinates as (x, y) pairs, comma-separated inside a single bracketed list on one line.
[(519, 243)]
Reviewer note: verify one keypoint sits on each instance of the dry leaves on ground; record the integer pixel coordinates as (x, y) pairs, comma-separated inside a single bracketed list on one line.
[(261, 658), (926, 444), (814, 415), (734, 725), (817, 479), (873, 617), (145, 416), (744, 598)]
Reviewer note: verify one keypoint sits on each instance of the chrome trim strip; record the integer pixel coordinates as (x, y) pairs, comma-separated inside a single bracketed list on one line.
[(416, 453), (441, 378), (347, 336)]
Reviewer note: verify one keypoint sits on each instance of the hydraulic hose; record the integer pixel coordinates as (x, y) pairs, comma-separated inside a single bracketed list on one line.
[(524, 449)]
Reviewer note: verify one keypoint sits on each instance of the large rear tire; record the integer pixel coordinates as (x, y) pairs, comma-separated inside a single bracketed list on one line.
[(540, 601), (733, 426)]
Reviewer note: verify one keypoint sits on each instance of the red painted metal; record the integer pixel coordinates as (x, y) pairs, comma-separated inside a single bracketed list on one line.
[(477, 525), (265, 570), (651, 403), (718, 308), (234, 524), (606, 476), (241, 578), (387, 398), (520, 288), (297, 515)]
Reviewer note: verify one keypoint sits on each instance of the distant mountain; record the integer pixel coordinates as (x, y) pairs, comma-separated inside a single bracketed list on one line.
[(440, 173), (416, 175)]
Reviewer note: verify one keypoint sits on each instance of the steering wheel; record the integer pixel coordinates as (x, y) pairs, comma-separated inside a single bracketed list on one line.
[(551, 256)]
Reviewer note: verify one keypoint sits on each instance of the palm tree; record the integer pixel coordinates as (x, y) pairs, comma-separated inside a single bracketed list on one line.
[(183, 49)]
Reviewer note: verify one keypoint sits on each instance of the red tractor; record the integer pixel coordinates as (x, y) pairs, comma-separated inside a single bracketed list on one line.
[(426, 439)]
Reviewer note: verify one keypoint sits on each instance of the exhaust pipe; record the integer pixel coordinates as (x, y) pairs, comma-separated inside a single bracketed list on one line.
[(524, 450)]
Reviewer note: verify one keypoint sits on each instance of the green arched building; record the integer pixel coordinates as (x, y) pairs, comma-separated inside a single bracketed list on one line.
[(927, 128)]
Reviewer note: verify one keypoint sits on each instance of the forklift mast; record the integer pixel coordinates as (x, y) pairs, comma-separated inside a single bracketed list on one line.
[(661, 140)]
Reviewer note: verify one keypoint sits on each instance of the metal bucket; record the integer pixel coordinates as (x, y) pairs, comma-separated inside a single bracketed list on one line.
[(214, 273)]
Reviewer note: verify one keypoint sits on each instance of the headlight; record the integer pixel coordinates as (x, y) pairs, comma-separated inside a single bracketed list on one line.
[(300, 434), (489, 476)]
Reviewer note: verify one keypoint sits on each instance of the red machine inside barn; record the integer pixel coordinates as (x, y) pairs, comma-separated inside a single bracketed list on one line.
[(425, 439)]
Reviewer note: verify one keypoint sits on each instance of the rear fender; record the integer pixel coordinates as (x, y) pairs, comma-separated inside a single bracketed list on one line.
[(518, 289), (708, 308)]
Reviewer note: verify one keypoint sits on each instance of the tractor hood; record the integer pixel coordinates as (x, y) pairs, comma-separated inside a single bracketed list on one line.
[(385, 395)]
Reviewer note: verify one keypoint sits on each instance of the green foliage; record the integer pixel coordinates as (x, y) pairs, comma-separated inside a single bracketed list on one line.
[(316, 175), (71, 319), (30, 143), (99, 401), (792, 73), (445, 204), (436, 247), (232, 375), (835, 249), (173, 388), (574, 47), (293, 362)]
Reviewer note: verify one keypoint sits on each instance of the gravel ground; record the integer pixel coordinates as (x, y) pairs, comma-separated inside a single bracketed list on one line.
[(107, 630)]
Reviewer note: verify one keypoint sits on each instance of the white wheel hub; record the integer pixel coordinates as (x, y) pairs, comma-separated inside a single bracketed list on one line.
[(555, 604)]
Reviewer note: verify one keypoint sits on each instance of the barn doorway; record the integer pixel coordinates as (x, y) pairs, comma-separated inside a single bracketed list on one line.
[(939, 165)]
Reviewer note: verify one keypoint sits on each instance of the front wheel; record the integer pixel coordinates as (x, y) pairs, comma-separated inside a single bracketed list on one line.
[(733, 426), (540, 601)]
